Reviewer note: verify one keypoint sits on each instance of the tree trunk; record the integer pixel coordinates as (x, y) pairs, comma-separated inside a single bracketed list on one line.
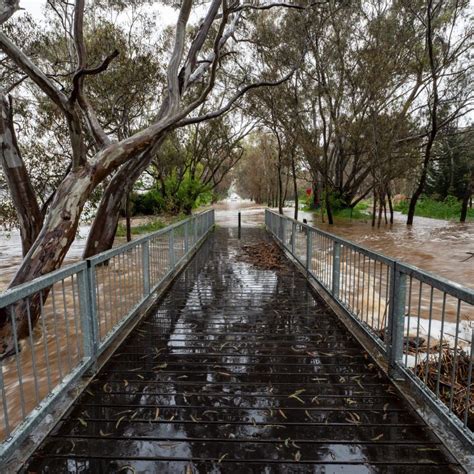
[(23, 196), (127, 218), (433, 117), (467, 197), (104, 227), (390, 205), (374, 208), (48, 251)]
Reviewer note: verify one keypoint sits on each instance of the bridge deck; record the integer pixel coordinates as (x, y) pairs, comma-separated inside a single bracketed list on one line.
[(240, 369)]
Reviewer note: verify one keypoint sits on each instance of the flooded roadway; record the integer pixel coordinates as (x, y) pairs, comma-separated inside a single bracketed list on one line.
[(438, 246)]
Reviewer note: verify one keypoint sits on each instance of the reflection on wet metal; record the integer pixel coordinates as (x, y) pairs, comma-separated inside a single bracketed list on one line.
[(240, 369)]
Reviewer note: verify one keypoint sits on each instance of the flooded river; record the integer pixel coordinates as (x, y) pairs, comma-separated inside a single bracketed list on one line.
[(438, 246)]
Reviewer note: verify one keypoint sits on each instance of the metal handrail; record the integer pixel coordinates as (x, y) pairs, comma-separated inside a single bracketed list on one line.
[(392, 302), (79, 310)]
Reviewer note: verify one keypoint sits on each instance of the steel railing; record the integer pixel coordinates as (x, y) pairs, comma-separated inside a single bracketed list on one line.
[(61, 322), (421, 323)]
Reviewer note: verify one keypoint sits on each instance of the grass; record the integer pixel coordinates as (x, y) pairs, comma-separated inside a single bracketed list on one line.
[(360, 211), (449, 209), (148, 227)]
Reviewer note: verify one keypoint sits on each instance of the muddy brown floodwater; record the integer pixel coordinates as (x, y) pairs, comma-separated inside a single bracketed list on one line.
[(438, 246)]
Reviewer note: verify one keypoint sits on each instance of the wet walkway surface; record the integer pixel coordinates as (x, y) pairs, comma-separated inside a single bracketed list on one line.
[(240, 369)]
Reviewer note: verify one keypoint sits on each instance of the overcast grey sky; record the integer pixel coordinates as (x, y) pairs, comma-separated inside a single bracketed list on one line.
[(166, 14)]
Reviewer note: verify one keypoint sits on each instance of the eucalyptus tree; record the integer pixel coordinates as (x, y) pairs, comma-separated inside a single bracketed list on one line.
[(192, 72), (447, 43)]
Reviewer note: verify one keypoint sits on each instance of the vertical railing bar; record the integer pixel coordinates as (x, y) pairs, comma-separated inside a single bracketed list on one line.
[(388, 297), (309, 250), (408, 319), (443, 309), (66, 327), (18, 364), (56, 338), (88, 311), (97, 298), (146, 267), (171, 247), (336, 269), (420, 295), (455, 356), (45, 341), (116, 292), (380, 317), (33, 356), (114, 317), (469, 382), (123, 284), (6, 419), (101, 273), (363, 286), (74, 308), (430, 317), (396, 319)]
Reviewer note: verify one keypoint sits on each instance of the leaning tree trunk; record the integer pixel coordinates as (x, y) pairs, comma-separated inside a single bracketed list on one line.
[(433, 119), (48, 251), (421, 183), (390, 205), (104, 227), (23, 196)]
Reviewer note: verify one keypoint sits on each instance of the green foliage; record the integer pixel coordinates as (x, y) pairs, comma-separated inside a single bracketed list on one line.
[(360, 211), (147, 228), (180, 196), (449, 208), (147, 204)]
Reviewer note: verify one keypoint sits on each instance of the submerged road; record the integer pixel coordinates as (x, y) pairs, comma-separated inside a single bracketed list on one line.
[(240, 369)]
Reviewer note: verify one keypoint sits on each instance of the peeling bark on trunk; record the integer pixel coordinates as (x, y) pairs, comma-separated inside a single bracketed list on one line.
[(104, 227), (48, 251), (23, 196)]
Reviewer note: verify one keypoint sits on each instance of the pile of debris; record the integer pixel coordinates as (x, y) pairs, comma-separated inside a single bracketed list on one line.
[(264, 255), (449, 386)]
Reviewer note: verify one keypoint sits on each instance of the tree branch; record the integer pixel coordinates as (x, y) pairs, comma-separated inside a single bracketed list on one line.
[(237, 95)]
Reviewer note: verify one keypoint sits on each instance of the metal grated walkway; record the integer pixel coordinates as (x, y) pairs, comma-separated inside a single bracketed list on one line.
[(240, 370)]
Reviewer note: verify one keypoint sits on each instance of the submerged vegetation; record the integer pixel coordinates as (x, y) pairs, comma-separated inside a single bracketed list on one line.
[(449, 208)]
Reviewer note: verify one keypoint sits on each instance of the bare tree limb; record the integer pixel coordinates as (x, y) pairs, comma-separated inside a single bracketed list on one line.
[(232, 100)]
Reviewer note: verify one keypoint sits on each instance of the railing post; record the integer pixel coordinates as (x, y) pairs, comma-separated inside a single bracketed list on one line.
[(186, 236), (88, 310), (171, 248), (309, 249), (146, 267), (282, 229), (194, 230), (336, 269), (293, 237), (396, 320)]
